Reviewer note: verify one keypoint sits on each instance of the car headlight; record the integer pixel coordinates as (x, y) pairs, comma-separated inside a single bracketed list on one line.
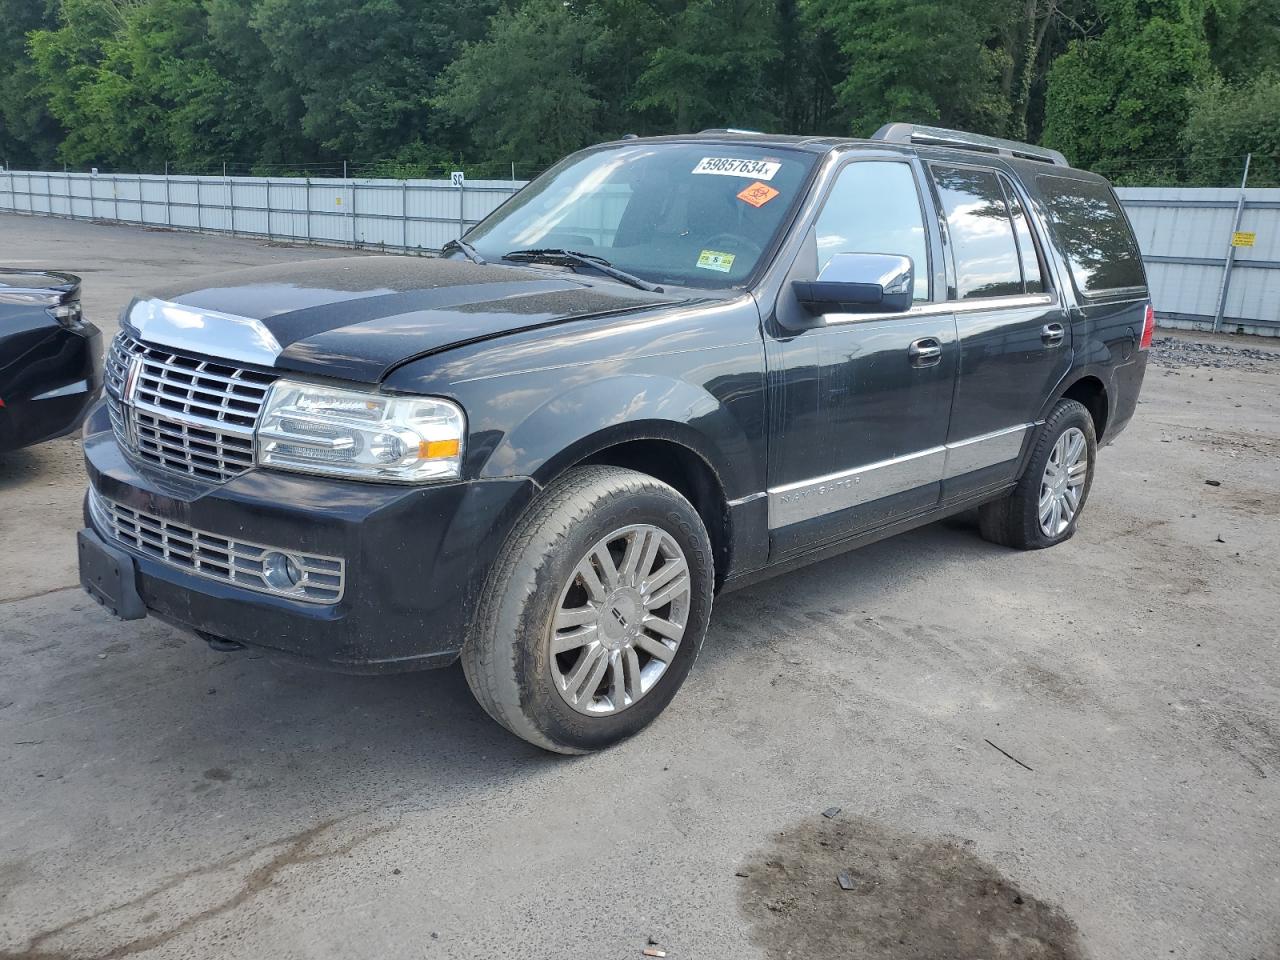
[(313, 428)]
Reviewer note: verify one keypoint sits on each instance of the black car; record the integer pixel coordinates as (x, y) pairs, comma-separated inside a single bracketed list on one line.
[(50, 357), (665, 368)]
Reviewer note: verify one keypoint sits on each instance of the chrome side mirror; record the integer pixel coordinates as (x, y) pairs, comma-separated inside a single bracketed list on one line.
[(859, 283)]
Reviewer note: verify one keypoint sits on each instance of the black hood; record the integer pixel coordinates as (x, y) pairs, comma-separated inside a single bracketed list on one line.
[(43, 286), (357, 318)]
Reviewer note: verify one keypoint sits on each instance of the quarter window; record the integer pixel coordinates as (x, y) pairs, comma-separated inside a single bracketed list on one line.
[(874, 207), (1094, 234), (980, 232)]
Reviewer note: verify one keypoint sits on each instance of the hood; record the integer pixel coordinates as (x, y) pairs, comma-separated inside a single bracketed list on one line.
[(357, 318), (36, 286)]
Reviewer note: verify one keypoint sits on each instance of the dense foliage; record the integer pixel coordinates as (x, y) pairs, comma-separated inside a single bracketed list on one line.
[(1144, 90)]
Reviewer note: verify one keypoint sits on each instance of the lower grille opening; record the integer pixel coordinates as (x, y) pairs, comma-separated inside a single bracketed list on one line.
[(319, 579)]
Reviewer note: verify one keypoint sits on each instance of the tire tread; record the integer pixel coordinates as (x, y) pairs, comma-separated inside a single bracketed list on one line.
[(488, 663), (1012, 520)]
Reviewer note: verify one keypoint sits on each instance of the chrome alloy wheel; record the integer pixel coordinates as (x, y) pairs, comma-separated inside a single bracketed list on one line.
[(1062, 485), (620, 620)]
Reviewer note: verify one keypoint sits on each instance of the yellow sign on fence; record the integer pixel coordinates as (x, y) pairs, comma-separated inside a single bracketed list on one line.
[(1243, 239)]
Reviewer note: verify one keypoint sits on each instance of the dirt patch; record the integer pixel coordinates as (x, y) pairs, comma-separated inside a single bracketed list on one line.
[(911, 898)]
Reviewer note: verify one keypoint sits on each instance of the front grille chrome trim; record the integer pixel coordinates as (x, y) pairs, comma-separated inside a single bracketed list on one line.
[(185, 414), (213, 556)]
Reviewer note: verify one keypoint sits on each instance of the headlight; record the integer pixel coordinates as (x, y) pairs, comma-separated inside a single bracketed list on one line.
[(363, 436)]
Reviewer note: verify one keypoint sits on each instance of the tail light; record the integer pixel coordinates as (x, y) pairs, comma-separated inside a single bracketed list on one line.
[(1148, 328)]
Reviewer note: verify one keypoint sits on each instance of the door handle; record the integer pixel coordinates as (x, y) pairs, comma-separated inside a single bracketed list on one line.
[(925, 352), (1052, 334)]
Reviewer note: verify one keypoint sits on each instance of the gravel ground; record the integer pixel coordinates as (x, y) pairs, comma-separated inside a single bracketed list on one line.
[(1220, 352), (1072, 753)]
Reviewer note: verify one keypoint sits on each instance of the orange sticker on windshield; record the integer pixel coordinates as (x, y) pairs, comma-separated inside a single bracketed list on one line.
[(758, 194)]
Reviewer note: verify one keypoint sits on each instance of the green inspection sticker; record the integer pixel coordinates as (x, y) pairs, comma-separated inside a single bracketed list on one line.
[(715, 260)]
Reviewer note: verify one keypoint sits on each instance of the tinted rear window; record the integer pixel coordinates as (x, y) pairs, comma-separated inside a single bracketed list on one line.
[(1094, 235)]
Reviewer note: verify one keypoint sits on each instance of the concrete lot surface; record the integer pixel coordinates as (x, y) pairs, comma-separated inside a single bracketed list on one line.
[(158, 799)]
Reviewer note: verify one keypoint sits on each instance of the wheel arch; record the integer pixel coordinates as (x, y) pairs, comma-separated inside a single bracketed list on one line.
[(1088, 389), (679, 465), (673, 430)]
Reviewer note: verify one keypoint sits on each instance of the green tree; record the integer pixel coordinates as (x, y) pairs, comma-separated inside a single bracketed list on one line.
[(1124, 94), (806, 72), (527, 91), (268, 104), (1228, 121), (133, 85), (421, 83), (1034, 35), (1244, 37), (65, 57), (364, 69), (29, 134), (715, 67), (923, 61)]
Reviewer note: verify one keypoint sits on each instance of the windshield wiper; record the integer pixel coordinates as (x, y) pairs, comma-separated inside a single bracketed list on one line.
[(471, 252), (573, 258)]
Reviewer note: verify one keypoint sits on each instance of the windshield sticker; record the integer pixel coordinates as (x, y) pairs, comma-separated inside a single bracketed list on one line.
[(737, 167), (758, 194), (715, 260)]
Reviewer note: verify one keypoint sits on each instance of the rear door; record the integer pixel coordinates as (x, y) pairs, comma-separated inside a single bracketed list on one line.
[(860, 401), (1014, 333)]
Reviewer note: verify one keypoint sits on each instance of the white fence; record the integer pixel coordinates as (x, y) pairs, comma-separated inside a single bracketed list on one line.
[(1186, 238), (1185, 233), (392, 214)]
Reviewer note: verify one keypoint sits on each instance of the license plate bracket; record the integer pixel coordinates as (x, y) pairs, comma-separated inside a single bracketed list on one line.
[(109, 575)]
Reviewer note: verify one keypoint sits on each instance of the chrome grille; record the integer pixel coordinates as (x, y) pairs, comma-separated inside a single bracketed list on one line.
[(184, 413), (215, 557)]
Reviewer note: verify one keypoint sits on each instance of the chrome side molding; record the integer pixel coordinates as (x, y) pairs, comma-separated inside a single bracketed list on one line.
[(806, 499)]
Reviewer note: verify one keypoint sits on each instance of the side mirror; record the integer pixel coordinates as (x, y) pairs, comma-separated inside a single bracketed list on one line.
[(859, 283)]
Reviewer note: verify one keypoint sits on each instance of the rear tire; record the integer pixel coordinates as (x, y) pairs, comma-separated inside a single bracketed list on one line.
[(1045, 506), (594, 612)]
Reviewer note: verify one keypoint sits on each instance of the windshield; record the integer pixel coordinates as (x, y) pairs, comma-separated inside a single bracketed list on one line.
[(698, 215)]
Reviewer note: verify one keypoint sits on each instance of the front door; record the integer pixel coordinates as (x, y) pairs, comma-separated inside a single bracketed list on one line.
[(860, 402)]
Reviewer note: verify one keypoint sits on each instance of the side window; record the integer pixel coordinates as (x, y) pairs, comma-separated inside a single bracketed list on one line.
[(980, 232), (1032, 270), (1094, 234), (874, 207)]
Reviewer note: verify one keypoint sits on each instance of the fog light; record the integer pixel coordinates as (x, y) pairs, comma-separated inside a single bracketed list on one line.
[(281, 571)]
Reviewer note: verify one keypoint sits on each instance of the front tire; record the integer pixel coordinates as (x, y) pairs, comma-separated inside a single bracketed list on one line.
[(1044, 508), (593, 613)]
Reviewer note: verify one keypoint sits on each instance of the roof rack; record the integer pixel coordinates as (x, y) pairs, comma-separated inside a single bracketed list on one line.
[(938, 137)]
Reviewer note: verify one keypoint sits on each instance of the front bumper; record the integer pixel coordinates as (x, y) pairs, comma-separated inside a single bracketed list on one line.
[(47, 393), (415, 557)]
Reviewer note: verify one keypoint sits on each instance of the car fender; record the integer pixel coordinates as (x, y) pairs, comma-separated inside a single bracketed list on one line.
[(576, 422)]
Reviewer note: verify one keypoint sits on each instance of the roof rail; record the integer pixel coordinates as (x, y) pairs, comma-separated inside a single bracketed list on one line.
[(753, 133), (938, 137)]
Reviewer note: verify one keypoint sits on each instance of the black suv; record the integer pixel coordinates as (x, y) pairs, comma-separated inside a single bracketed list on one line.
[(665, 368)]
